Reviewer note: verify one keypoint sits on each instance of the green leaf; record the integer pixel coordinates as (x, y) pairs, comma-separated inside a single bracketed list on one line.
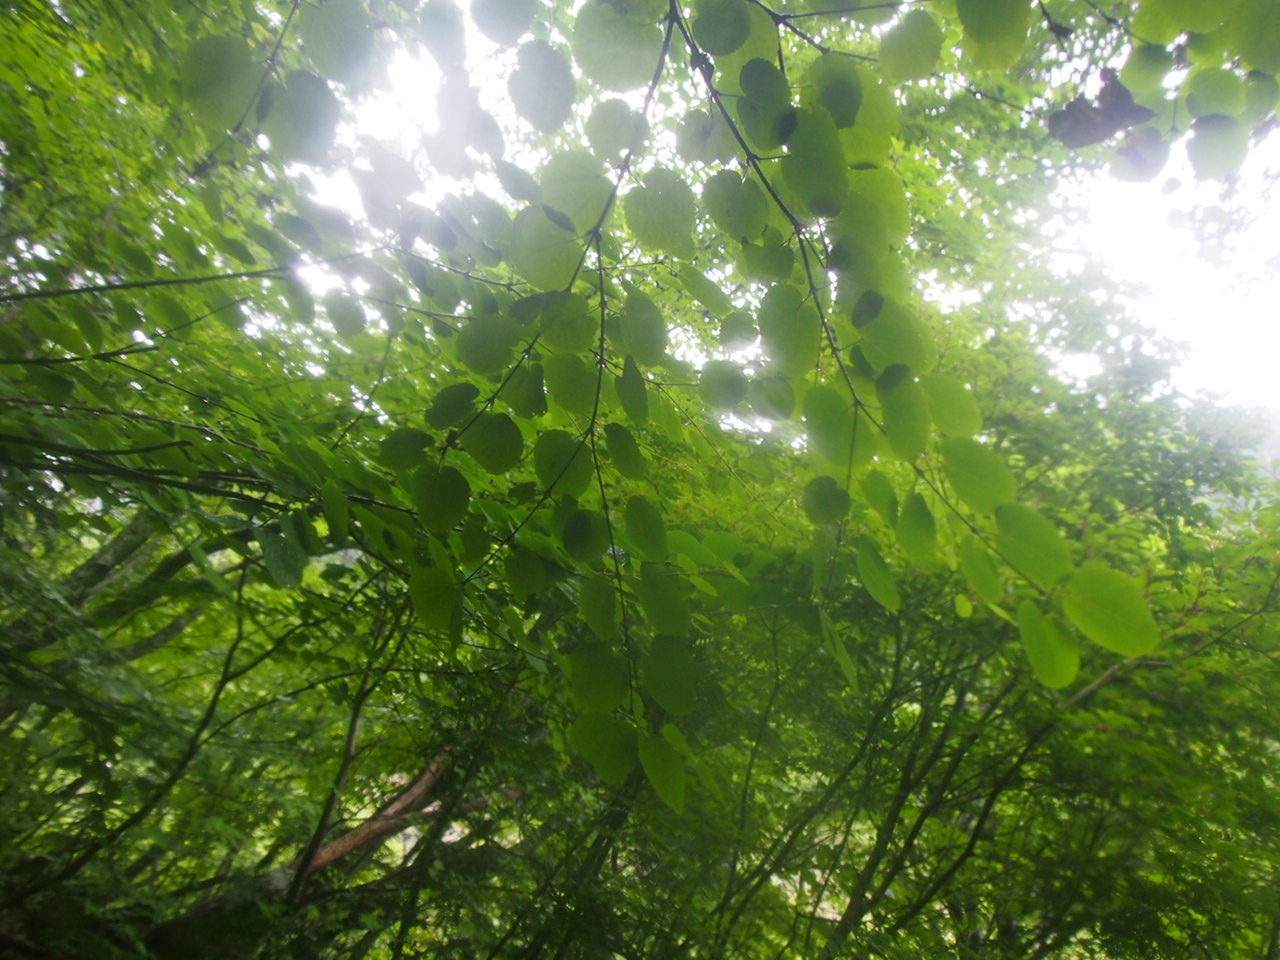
[(916, 530), (526, 572), (1032, 544), (769, 260), (704, 291), (952, 407), (1257, 34), (738, 206), (664, 597), (542, 88), (765, 110), (503, 21), (1214, 90), (337, 37), (441, 496), (665, 770), (977, 474), (486, 343), (814, 167), (643, 330), (607, 743), (573, 182), (599, 678), (770, 396), (879, 492), (722, 384), (562, 463), (670, 673), (598, 601), (911, 49), (790, 329), (567, 324), (303, 119), (905, 412), (1218, 146), (613, 129), (570, 383), (625, 452), (436, 597), (646, 529), (451, 405), (336, 511), (494, 441), (876, 576), (828, 417), (897, 336), (1261, 94), (618, 45), (720, 26), (403, 447), (825, 501), (631, 391), (661, 213), (586, 536), (542, 250), (995, 30), (1145, 69), (1052, 653), (284, 557), (835, 85), (220, 80), (1108, 607), (979, 570), (345, 313)]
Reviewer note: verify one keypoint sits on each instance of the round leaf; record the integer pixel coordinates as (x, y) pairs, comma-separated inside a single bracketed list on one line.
[(1107, 607)]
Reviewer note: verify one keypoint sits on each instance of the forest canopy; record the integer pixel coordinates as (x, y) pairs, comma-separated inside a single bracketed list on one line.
[(647, 519)]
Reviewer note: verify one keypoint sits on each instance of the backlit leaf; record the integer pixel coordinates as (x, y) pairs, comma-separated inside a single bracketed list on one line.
[(979, 570), (616, 45), (607, 743), (220, 80), (670, 673), (1108, 607), (599, 678), (978, 474), (665, 770), (625, 452), (643, 330), (646, 529), (951, 406), (905, 412), (722, 384), (1051, 651), (876, 576), (543, 251), (303, 119), (494, 441), (825, 501), (916, 530), (542, 87), (1032, 544), (721, 26), (435, 596), (911, 49), (562, 463), (664, 597), (441, 496), (661, 212)]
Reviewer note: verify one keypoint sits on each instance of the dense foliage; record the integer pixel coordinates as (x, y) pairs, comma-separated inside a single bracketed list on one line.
[(648, 522)]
